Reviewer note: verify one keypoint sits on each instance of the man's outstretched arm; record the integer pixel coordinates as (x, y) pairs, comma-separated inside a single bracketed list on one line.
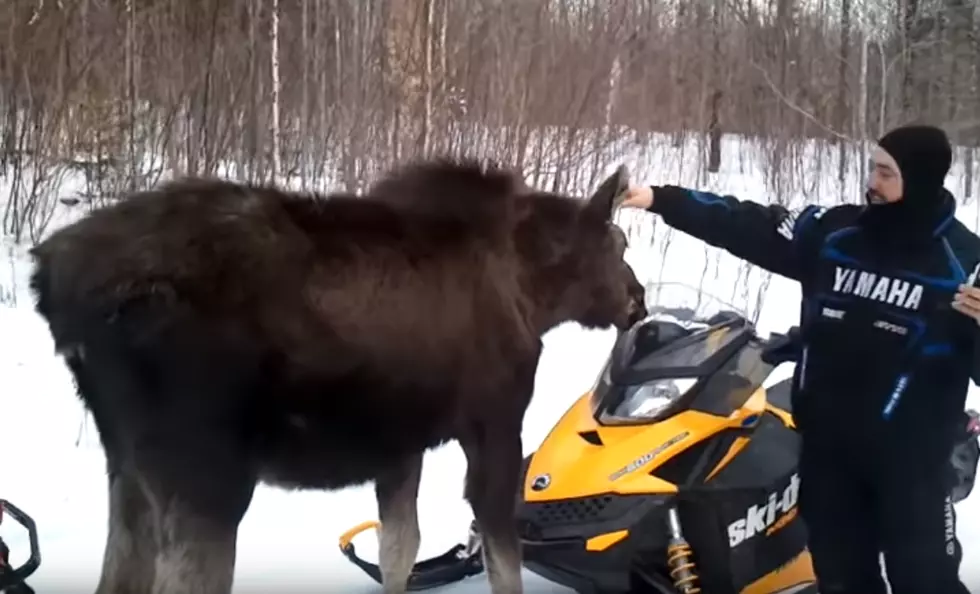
[(765, 235), (967, 301)]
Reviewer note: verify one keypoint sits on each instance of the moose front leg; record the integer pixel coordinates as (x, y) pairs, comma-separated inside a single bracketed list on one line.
[(397, 493), (494, 463)]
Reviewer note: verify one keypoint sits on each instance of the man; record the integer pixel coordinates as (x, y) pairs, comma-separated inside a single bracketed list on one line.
[(880, 389)]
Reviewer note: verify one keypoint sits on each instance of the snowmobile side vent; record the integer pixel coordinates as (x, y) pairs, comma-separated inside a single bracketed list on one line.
[(583, 510), (565, 518), (591, 437)]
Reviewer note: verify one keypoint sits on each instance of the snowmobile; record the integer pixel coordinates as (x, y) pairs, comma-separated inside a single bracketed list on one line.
[(675, 474), (14, 580)]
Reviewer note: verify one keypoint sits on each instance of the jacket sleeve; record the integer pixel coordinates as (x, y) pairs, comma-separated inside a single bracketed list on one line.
[(975, 368), (769, 236), (974, 256)]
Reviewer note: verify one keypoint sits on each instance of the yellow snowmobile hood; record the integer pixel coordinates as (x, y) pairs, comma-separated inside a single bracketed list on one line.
[(570, 464)]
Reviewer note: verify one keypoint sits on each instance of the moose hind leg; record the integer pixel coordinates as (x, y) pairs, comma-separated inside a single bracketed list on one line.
[(397, 493), (130, 553), (180, 397), (197, 553), (201, 488), (492, 476)]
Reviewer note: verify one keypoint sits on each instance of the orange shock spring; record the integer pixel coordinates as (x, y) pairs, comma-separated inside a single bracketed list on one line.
[(680, 557), (682, 567)]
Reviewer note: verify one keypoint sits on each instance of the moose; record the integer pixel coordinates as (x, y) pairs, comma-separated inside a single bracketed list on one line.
[(224, 335)]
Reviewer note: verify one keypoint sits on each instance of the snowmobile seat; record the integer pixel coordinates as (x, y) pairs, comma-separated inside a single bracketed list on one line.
[(780, 395), (782, 348)]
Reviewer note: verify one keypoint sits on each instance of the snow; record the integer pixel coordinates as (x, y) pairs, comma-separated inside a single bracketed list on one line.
[(52, 465)]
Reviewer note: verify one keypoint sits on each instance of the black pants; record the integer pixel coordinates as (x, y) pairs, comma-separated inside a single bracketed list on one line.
[(854, 510)]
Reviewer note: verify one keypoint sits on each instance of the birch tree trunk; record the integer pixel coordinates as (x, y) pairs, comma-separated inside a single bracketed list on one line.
[(276, 139), (131, 89), (714, 118), (845, 50), (426, 140), (304, 128), (862, 115)]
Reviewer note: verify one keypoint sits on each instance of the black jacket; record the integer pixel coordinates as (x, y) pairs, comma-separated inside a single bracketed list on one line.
[(886, 361)]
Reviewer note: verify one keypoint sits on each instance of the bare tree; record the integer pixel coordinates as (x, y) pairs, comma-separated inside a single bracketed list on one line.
[(331, 91), (274, 60)]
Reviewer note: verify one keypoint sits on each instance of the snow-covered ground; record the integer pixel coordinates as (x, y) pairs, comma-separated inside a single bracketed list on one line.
[(52, 466)]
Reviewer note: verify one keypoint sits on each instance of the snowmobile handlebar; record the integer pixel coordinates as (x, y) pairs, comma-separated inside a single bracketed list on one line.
[(452, 566), (10, 578)]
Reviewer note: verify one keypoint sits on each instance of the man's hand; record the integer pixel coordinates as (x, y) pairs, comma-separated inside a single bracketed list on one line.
[(967, 301), (638, 197)]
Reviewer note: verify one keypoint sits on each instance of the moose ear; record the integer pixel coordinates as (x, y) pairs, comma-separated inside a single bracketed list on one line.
[(611, 193)]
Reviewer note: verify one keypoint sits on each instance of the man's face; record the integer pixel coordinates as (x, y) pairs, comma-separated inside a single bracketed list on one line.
[(885, 185)]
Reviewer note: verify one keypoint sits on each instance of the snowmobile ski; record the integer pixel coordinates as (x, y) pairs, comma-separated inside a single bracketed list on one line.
[(13, 581), (458, 563)]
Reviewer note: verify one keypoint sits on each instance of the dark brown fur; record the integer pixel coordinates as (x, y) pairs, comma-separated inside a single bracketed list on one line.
[(224, 335)]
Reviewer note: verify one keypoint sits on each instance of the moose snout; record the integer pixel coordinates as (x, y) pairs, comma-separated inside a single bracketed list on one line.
[(637, 311), (636, 298)]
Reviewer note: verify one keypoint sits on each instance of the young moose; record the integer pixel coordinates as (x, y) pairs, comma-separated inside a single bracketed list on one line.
[(224, 334)]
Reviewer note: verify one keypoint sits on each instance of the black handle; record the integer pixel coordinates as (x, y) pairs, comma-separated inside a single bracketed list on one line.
[(19, 575)]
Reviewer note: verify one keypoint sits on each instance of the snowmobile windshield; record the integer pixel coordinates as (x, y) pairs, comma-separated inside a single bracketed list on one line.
[(663, 340), (687, 335), (688, 306)]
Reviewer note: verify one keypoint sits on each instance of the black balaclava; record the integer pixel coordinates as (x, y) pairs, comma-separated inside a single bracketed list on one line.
[(924, 156)]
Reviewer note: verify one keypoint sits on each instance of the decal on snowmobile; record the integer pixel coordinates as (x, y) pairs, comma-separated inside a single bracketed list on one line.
[(642, 460), (541, 482), (761, 519)]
